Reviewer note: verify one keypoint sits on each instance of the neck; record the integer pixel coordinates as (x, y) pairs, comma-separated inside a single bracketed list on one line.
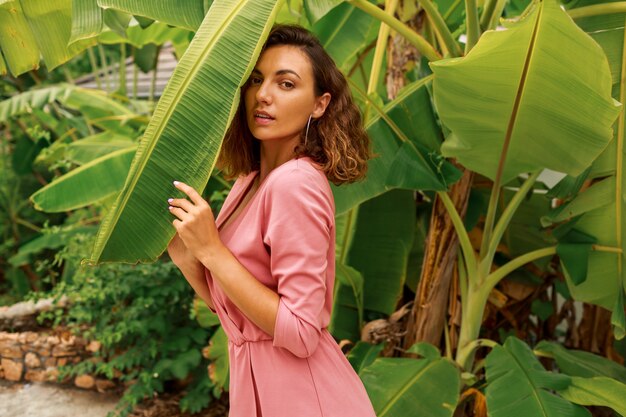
[(274, 154)]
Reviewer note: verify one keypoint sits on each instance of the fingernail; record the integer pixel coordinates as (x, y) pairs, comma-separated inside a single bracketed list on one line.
[(169, 200), (170, 207), (175, 182)]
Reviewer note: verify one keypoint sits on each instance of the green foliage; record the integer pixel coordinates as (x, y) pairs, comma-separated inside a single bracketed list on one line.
[(141, 314)]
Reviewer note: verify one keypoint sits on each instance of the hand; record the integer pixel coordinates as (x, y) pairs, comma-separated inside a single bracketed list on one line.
[(195, 223)]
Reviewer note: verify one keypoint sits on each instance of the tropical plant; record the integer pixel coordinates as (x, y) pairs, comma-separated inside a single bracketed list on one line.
[(472, 123)]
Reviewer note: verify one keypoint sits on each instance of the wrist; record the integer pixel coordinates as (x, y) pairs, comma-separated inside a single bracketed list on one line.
[(212, 255)]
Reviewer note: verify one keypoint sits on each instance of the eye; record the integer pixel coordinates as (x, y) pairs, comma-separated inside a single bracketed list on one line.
[(287, 84), (255, 80)]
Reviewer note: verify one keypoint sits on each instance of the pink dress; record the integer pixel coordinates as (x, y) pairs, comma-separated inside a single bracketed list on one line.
[(301, 371)]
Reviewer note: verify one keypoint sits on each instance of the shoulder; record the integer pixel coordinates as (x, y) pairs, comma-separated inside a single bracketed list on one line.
[(302, 182), (299, 175)]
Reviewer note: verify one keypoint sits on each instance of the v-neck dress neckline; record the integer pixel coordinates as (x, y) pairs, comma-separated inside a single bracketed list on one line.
[(223, 225), (247, 184)]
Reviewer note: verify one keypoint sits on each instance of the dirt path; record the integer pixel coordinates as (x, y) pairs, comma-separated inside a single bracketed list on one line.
[(47, 400)]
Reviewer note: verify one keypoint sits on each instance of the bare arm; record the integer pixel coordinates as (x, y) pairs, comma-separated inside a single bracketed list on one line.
[(194, 273), (256, 301)]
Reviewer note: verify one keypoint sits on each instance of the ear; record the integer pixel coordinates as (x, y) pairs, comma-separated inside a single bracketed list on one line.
[(321, 103)]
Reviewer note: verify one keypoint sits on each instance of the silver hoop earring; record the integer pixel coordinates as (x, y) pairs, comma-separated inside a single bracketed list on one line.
[(306, 135)]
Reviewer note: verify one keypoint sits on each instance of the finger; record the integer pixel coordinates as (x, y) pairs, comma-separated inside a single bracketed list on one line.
[(177, 224), (191, 192), (182, 203), (178, 212)]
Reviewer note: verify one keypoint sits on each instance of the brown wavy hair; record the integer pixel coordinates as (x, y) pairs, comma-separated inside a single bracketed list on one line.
[(337, 140)]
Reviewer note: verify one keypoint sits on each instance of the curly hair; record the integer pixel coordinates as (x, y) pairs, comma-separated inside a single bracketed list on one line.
[(337, 140)]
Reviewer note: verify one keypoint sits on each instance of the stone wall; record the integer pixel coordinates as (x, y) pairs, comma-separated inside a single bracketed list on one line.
[(35, 356), (29, 352)]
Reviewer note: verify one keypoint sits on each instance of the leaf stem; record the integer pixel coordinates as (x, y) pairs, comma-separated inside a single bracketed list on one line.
[(464, 241), (413, 37), (597, 9), (469, 349), (472, 25), (379, 53), (503, 222), (441, 28), (493, 278)]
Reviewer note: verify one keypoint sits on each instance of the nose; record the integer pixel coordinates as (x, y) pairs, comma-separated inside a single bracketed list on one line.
[(263, 93)]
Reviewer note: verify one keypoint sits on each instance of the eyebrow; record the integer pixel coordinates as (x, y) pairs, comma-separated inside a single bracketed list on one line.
[(279, 72)]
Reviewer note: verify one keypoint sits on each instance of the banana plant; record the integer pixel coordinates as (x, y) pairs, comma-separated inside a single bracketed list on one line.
[(521, 120), (181, 143)]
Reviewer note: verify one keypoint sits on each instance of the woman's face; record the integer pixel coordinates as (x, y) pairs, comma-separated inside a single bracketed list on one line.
[(280, 95)]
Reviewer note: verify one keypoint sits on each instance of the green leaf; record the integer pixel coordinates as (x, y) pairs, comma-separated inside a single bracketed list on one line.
[(346, 319), (52, 240), (363, 354), (218, 354), (399, 387), (181, 142), (51, 25), (574, 249), (600, 391), (86, 20), (408, 121), (581, 363), (34, 98), (76, 188), (87, 149), (3, 66), (382, 241), (204, 315), (345, 32), (156, 34), (521, 95), (518, 385), (425, 350), (316, 9), (22, 56), (186, 14)]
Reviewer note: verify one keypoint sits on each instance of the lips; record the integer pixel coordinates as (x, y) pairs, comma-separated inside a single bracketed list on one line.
[(263, 115)]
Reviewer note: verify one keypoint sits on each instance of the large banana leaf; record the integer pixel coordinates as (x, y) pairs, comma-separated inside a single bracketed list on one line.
[(96, 146), (86, 184), (371, 268), (581, 363), (51, 23), (518, 385), (406, 137), (74, 97), (87, 20), (157, 33), (186, 14), (524, 95), (21, 56), (601, 391), (345, 32), (401, 387), (316, 9), (184, 136), (599, 210), (382, 241)]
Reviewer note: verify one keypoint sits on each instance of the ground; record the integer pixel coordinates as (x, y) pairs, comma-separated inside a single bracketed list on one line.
[(50, 400)]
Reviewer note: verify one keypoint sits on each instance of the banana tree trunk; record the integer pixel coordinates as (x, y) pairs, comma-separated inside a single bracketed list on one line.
[(428, 314)]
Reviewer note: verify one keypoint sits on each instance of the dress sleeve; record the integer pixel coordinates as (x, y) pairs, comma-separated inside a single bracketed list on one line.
[(298, 220)]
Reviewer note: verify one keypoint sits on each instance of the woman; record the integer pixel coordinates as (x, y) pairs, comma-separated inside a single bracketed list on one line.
[(266, 266)]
